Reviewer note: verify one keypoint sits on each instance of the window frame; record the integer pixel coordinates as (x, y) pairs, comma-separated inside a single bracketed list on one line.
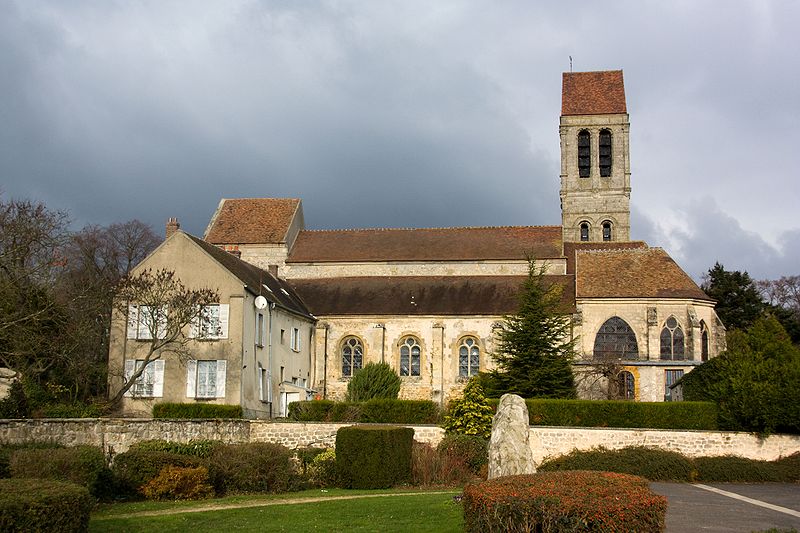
[(408, 344), (675, 336), (584, 154), (671, 376), (626, 338), (356, 347), (294, 339), (472, 345), (193, 379), (605, 160), (152, 377), (626, 385)]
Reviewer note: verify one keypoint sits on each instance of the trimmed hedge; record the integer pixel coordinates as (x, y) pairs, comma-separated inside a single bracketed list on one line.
[(196, 410), (43, 505), (373, 457), (621, 414), (649, 463), (82, 465), (382, 411), (197, 448), (563, 501), (134, 468), (252, 467), (6, 450)]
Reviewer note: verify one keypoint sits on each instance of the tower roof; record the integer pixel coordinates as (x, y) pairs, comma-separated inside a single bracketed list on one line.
[(593, 93)]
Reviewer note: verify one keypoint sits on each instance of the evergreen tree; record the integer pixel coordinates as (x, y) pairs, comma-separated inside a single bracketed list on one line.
[(536, 346), (739, 303), (471, 414)]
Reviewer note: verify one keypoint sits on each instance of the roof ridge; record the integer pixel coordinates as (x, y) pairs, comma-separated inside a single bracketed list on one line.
[(261, 198), (617, 250), (322, 230), (594, 71)]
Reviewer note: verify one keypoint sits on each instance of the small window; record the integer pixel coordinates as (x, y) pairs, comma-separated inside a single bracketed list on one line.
[(260, 330), (606, 230), (352, 356), (615, 340), (143, 320), (605, 153), (670, 378), (294, 341), (283, 336), (469, 357), (150, 384), (672, 345), (211, 323), (584, 154), (410, 356), (584, 231), (206, 379), (625, 386), (703, 342)]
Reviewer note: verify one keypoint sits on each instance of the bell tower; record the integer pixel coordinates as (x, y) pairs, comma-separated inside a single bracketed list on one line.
[(595, 158)]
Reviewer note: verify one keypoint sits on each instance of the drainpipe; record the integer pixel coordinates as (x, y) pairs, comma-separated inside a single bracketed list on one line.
[(325, 366), (270, 308), (383, 341)]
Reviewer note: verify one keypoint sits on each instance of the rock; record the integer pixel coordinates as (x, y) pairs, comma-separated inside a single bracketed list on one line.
[(509, 447)]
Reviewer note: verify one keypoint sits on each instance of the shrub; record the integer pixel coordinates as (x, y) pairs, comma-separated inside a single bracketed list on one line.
[(789, 468), (6, 450), (15, 405), (134, 468), (373, 457), (252, 467), (375, 380), (43, 505), (70, 410), (438, 467), (322, 471), (179, 483), (196, 410), (392, 411), (473, 449), (471, 414), (563, 501), (649, 463), (198, 448), (82, 465)]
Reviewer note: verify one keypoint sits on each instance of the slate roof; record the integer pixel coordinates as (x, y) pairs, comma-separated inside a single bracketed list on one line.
[(421, 295), (427, 244), (251, 220), (255, 278), (635, 273), (593, 93)]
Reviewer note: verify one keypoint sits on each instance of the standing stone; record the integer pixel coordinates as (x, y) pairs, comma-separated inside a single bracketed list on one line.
[(509, 448)]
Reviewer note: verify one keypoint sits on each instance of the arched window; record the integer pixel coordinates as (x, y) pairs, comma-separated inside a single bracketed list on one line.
[(352, 356), (469, 357), (626, 386), (410, 354), (607, 230), (672, 348), (584, 231), (615, 340), (703, 341), (605, 153), (584, 154)]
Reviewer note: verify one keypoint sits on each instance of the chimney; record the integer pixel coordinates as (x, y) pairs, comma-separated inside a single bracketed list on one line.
[(273, 269), (172, 226)]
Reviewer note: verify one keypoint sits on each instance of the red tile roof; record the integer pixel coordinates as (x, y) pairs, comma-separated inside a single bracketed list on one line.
[(570, 249), (251, 220), (593, 93), (636, 273), (428, 244)]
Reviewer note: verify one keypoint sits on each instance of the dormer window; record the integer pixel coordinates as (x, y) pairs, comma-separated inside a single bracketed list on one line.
[(584, 231), (606, 230), (584, 154), (605, 153)]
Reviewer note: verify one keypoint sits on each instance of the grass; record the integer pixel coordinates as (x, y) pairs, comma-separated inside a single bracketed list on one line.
[(388, 511)]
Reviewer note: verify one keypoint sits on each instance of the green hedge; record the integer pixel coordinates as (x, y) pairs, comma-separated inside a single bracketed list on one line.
[(621, 414), (134, 468), (7, 450), (563, 501), (197, 448), (252, 467), (382, 411), (43, 505), (196, 410), (373, 457), (82, 465)]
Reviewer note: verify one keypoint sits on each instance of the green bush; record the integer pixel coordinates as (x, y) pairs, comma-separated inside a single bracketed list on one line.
[(474, 450), (197, 448), (649, 463), (252, 467), (43, 505), (375, 380), (15, 405), (789, 468), (322, 470), (563, 501), (373, 457), (196, 410), (392, 411), (134, 468), (179, 483), (82, 465), (471, 414), (70, 410), (6, 450)]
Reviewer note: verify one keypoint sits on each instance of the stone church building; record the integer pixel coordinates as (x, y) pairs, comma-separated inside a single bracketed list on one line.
[(430, 302)]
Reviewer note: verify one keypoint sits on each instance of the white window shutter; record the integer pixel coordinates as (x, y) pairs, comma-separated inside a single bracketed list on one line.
[(132, 321), (191, 379), (130, 367), (223, 321), (222, 366), (158, 378)]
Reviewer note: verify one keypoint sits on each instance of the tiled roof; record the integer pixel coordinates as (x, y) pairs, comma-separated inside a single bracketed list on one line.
[(255, 278), (570, 248), (428, 244), (251, 220), (421, 295), (593, 93), (637, 273)]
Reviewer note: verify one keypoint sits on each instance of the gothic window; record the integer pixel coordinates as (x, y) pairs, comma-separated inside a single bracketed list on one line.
[(584, 154), (584, 231), (410, 355), (606, 230), (703, 342), (625, 385), (352, 356), (605, 153), (672, 347), (615, 340), (469, 357)]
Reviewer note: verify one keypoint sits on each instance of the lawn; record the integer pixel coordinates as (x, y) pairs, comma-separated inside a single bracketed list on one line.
[(367, 511)]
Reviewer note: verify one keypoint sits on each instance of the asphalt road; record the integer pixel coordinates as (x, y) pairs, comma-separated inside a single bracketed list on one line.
[(729, 507)]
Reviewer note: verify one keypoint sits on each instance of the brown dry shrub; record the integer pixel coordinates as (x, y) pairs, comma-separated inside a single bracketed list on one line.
[(438, 467), (179, 483)]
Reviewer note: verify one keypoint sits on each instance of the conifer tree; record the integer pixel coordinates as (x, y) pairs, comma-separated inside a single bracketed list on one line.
[(536, 347), (471, 414)]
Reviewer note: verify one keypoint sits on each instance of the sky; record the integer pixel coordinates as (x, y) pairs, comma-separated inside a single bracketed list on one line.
[(405, 113)]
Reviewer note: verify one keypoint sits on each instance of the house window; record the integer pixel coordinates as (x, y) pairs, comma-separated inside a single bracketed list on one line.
[(625, 386), (615, 340), (584, 154), (672, 348), (605, 153), (150, 384), (703, 342), (584, 231), (410, 355), (670, 378), (206, 379), (294, 341), (283, 336), (606, 230), (143, 320), (211, 323), (352, 356), (260, 330), (469, 357)]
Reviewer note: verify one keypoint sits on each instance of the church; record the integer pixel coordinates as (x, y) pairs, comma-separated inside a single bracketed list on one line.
[(430, 301)]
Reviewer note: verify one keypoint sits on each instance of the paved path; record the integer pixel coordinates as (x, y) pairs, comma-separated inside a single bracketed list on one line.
[(730, 507)]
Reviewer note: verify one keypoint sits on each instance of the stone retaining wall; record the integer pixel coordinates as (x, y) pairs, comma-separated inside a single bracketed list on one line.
[(117, 435)]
